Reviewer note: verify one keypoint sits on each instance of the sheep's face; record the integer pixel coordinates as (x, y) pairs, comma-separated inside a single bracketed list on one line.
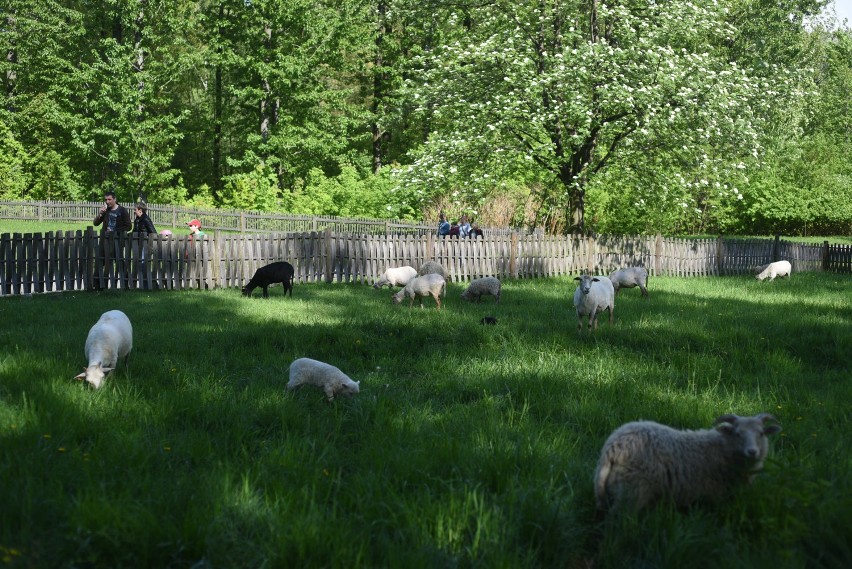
[(350, 388), (748, 435), (586, 283), (94, 375), (397, 298)]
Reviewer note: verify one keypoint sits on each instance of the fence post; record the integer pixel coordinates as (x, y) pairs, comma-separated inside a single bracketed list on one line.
[(90, 249), (387, 227), (658, 255), (329, 255), (720, 255), (513, 256), (430, 247), (174, 216), (826, 256), (40, 213), (590, 255), (776, 248)]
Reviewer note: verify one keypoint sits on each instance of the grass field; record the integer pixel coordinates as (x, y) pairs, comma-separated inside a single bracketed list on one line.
[(468, 446)]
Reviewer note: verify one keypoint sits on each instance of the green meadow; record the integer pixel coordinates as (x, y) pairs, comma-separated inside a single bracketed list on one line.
[(468, 446)]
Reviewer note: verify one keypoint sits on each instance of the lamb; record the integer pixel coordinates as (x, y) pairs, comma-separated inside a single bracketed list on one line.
[(630, 277), (593, 295), (305, 371), (279, 272), (432, 268), (432, 285), (398, 276), (109, 339), (643, 461), (776, 269), (478, 287)]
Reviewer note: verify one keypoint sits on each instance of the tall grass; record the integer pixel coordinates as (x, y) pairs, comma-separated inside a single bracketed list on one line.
[(468, 446)]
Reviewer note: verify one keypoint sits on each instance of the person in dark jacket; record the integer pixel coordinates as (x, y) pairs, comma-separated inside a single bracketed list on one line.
[(142, 224), (114, 217)]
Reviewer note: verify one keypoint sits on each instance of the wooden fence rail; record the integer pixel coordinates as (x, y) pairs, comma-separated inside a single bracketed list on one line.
[(87, 260), (221, 219)]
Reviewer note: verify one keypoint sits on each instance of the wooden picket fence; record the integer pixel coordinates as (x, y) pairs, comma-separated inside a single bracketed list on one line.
[(87, 260), (222, 219)]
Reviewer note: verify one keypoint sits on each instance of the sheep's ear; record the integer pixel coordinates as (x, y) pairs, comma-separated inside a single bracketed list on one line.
[(80, 377), (107, 369), (729, 418), (771, 430), (726, 428)]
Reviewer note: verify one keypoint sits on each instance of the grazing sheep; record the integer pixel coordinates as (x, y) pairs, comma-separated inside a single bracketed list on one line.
[(490, 320), (432, 268), (593, 295), (432, 285), (398, 276), (109, 339), (643, 462), (630, 277), (305, 371), (478, 287), (776, 269), (280, 272)]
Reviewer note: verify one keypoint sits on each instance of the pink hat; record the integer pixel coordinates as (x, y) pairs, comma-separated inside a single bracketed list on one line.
[(195, 222)]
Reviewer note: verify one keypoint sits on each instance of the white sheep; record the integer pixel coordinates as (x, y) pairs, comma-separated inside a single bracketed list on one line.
[(776, 269), (432, 285), (593, 295), (109, 339), (630, 277), (643, 461), (478, 287), (432, 268), (305, 371), (396, 276)]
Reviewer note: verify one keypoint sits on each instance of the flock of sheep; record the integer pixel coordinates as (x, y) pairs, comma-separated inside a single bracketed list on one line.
[(641, 462)]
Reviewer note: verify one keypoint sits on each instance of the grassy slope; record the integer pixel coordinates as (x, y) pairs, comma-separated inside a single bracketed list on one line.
[(468, 445)]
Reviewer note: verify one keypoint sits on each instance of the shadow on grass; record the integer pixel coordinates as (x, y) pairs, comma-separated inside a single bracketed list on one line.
[(468, 443)]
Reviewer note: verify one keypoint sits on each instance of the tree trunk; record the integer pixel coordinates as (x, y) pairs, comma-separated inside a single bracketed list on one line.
[(378, 89), (12, 60)]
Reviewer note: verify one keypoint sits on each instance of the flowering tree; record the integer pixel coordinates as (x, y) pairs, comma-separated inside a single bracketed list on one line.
[(563, 89)]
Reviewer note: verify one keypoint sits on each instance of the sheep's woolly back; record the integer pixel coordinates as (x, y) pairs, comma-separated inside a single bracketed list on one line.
[(484, 285), (642, 462), (396, 276), (108, 340), (630, 277), (432, 285), (776, 269), (305, 371), (432, 268)]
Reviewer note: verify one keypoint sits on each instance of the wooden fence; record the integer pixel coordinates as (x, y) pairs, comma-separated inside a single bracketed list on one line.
[(221, 220), (87, 260)]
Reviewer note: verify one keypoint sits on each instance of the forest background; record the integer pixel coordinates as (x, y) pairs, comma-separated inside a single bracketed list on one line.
[(621, 116)]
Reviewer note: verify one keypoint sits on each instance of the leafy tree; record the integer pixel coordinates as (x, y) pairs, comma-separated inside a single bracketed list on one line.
[(572, 87)]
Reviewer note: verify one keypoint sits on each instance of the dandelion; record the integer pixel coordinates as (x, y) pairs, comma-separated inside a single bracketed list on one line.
[(46, 436), (62, 449), (167, 448)]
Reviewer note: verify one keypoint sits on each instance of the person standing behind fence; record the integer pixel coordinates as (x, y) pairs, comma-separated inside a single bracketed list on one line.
[(142, 224), (143, 227), (464, 226), (443, 225), (114, 217)]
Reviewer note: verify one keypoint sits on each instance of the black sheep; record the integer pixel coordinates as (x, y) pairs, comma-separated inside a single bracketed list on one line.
[(280, 272)]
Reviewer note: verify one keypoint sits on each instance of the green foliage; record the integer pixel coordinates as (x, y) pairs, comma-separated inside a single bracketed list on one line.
[(256, 190), (13, 176), (197, 455), (349, 194)]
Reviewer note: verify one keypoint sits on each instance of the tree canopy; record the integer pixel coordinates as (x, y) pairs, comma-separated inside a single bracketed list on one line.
[(586, 115)]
